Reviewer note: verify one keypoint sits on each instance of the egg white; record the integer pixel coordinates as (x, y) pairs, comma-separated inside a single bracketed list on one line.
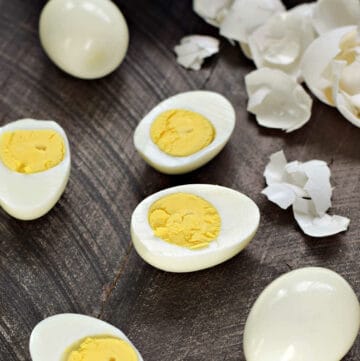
[(307, 314), (52, 337), (30, 196), (85, 38), (240, 218), (213, 106)]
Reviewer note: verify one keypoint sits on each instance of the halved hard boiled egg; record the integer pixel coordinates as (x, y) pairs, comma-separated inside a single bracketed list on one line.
[(86, 38), (192, 227), (34, 167), (184, 132), (307, 314), (75, 337)]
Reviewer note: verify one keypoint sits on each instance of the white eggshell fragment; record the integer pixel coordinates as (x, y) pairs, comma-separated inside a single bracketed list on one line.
[(213, 106), (307, 314), (212, 11), (346, 89), (239, 221), (332, 14), (193, 49), (277, 100), (275, 169), (245, 16), (317, 59), (316, 225), (305, 186), (281, 41), (85, 38), (30, 196), (53, 336)]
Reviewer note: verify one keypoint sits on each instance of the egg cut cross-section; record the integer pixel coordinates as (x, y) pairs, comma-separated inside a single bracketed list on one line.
[(192, 227), (85, 38), (34, 167), (75, 337), (307, 314), (184, 132)]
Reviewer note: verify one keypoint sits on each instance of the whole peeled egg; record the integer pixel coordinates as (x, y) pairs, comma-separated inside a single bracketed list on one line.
[(34, 167), (185, 131), (192, 227), (75, 337), (307, 314), (86, 38)]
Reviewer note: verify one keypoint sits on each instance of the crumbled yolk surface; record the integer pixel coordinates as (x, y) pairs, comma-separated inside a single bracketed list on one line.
[(103, 349), (31, 151), (185, 219), (180, 132)]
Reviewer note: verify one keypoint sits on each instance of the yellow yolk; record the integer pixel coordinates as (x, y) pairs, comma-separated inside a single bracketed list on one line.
[(185, 220), (31, 151), (180, 132), (103, 349)]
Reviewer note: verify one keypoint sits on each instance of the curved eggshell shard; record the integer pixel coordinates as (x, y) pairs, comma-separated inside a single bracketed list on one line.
[(30, 196), (240, 219), (281, 41), (277, 100), (316, 225), (316, 59), (332, 14), (216, 108), (244, 16)]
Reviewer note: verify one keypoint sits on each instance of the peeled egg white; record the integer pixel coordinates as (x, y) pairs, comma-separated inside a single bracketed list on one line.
[(240, 219), (86, 38), (213, 106), (52, 337), (30, 196), (307, 314)]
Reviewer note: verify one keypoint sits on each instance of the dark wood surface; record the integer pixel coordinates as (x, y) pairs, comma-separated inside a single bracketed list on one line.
[(79, 258)]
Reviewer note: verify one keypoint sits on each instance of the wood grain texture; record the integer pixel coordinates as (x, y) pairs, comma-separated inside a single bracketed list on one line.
[(79, 258)]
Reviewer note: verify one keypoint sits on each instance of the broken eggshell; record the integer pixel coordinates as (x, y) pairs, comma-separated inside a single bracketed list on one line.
[(332, 14), (282, 40), (193, 49), (306, 186), (244, 16), (314, 225), (346, 89), (316, 60), (277, 100), (213, 11)]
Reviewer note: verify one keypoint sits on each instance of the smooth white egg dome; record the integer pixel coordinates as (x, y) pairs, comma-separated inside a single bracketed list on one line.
[(30, 196), (86, 38), (213, 106), (307, 314), (52, 337), (240, 219)]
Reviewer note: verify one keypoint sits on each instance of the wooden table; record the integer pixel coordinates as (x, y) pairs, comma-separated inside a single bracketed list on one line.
[(79, 257)]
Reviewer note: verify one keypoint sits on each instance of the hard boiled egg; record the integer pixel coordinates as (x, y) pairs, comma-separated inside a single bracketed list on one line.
[(86, 38), (307, 314), (74, 337), (184, 132), (34, 167), (192, 227)]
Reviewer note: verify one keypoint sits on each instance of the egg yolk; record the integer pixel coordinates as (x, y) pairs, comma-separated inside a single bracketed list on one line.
[(31, 151), (185, 220), (103, 349), (180, 132)]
